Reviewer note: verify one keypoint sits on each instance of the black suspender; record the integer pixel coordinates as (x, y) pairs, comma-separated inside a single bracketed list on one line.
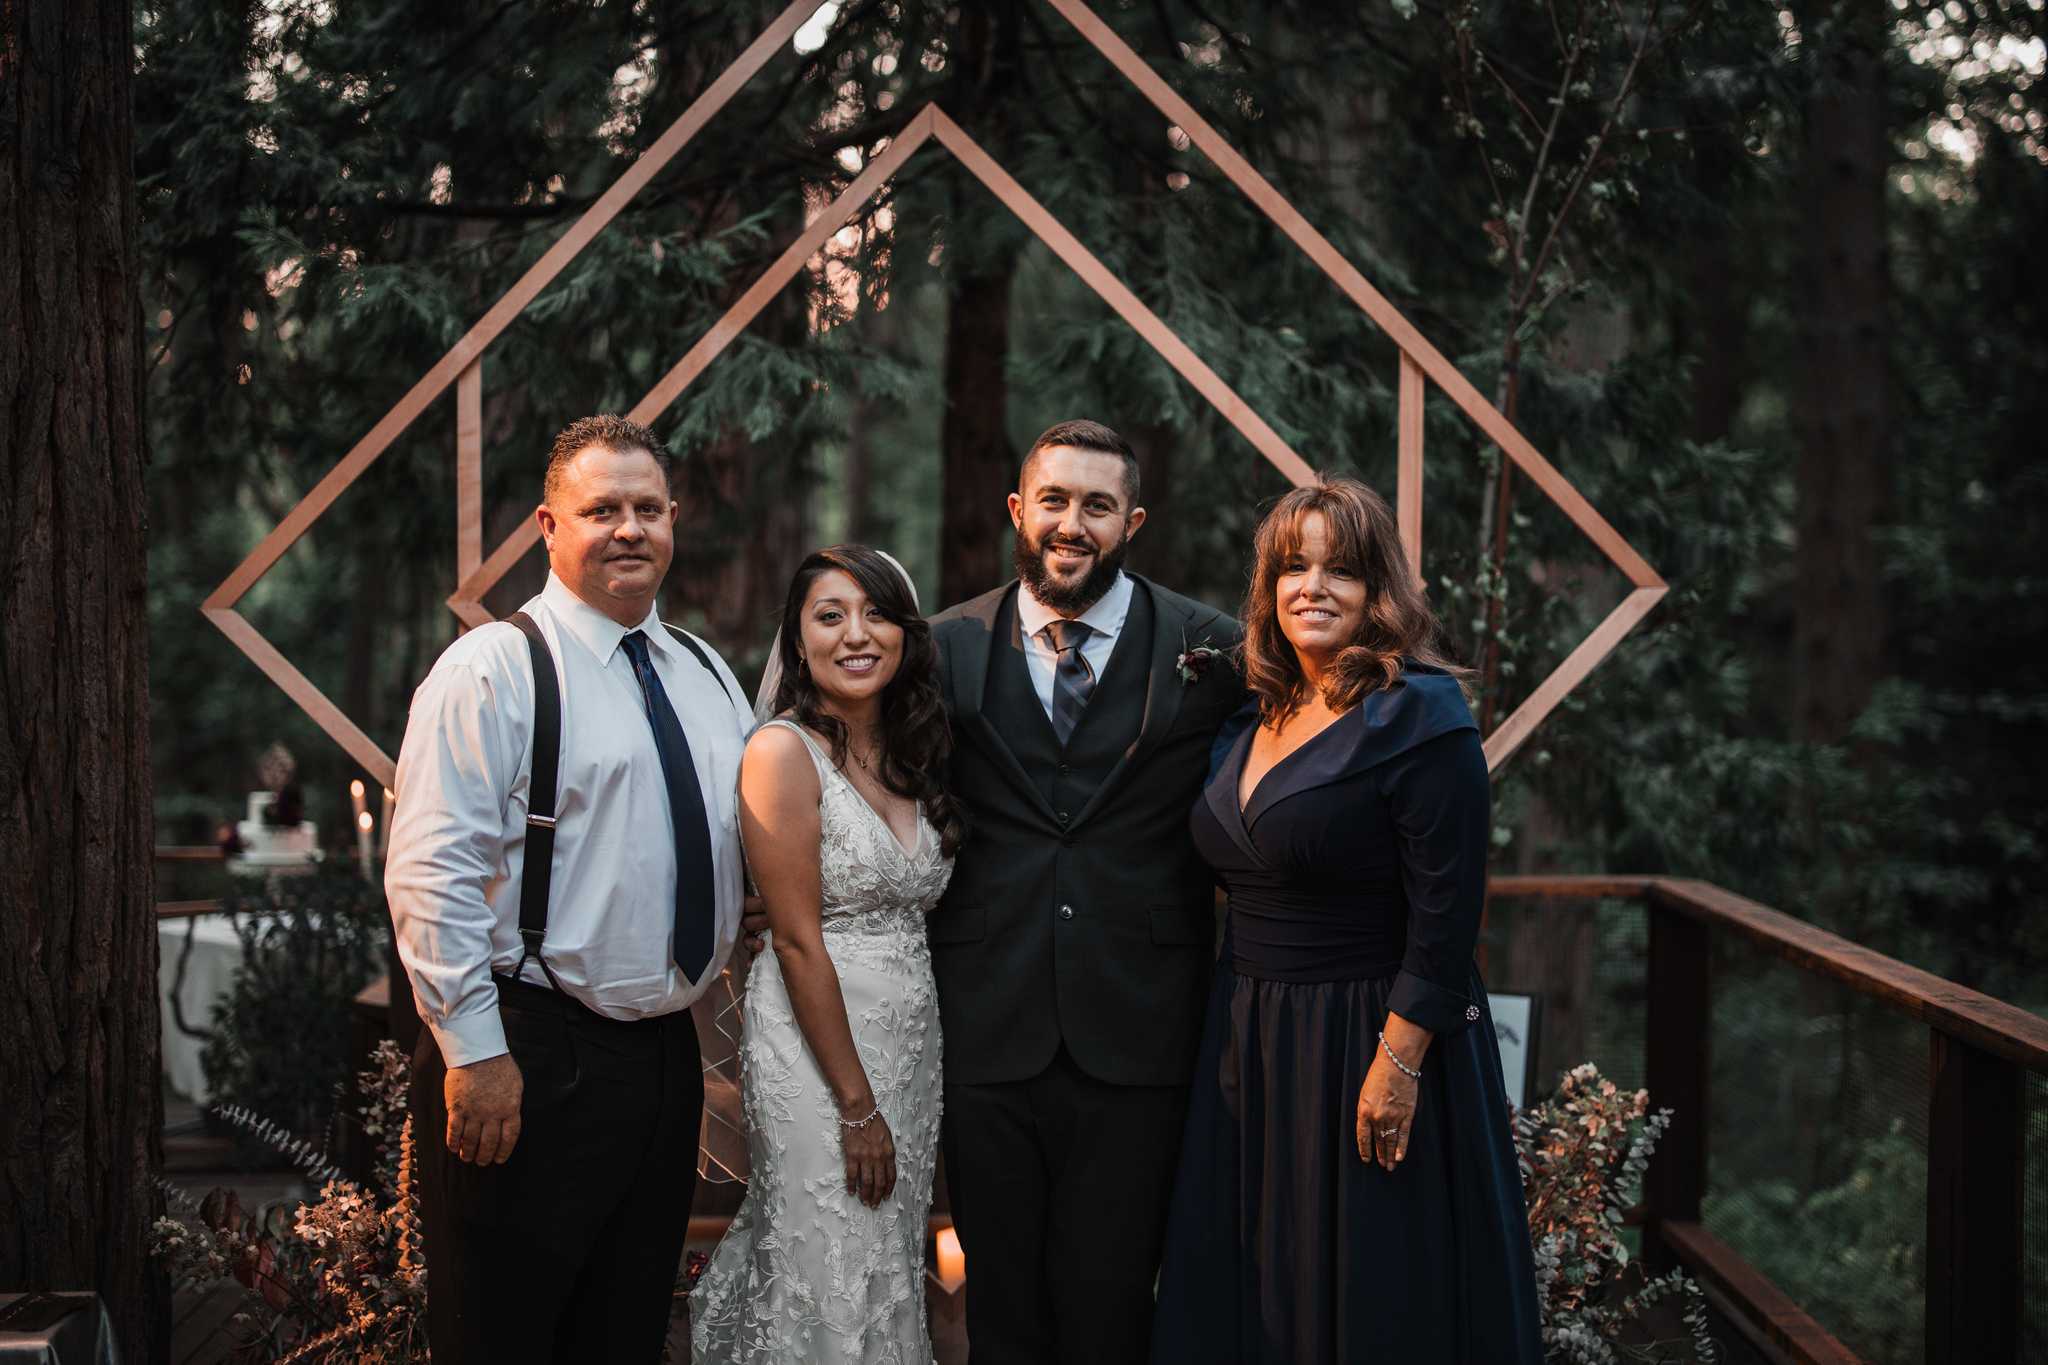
[(541, 786), (540, 798), (683, 638)]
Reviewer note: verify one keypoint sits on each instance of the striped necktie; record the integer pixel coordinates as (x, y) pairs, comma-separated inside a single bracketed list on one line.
[(1073, 681)]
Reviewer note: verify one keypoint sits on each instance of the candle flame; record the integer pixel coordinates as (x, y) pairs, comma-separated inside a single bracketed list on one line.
[(952, 1260), (355, 789), (363, 822)]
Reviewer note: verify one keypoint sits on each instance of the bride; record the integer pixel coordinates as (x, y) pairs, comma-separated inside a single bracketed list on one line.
[(850, 836)]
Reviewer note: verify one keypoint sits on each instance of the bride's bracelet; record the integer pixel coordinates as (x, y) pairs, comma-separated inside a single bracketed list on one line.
[(1412, 1073), (860, 1123)]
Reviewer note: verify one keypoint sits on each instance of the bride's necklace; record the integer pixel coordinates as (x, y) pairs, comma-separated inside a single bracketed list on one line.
[(865, 765)]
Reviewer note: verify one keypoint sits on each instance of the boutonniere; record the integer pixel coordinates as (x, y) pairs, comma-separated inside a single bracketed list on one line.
[(1194, 660)]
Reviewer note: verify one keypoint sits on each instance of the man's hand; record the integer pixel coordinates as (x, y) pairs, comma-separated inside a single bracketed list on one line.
[(483, 1109), (753, 924)]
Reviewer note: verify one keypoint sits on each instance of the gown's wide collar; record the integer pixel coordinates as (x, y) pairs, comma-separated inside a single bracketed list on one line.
[(1426, 702)]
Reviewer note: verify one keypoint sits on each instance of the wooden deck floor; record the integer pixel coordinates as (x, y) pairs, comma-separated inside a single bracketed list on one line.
[(200, 1316)]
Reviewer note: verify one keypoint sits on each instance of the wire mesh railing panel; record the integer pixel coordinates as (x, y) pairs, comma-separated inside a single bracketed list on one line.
[(2034, 1222), (1583, 965), (1817, 1147)]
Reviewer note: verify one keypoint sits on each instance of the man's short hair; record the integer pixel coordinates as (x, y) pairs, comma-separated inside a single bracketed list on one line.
[(1082, 434), (608, 430)]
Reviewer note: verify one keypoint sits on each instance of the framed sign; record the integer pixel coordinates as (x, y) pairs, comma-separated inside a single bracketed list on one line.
[(1516, 1019)]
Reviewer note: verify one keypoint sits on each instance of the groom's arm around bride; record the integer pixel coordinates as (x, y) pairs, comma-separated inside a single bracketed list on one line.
[(1075, 945)]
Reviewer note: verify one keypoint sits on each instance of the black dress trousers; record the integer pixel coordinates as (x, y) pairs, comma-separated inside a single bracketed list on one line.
[(568, 1251), (1059, 1187)]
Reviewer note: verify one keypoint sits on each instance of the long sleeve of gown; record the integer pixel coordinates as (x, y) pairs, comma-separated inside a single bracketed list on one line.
[(1440, 798)]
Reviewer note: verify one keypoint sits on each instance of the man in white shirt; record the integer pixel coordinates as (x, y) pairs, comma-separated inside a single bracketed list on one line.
[(557, 1087)]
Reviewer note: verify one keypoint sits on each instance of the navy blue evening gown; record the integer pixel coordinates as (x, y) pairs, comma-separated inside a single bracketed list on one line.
[(1356, 875)]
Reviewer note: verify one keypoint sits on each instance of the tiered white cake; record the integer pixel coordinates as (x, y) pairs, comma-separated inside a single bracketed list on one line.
[(274, 848)]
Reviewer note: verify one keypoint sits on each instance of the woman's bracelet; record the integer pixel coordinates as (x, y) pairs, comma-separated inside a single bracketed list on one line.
[(1410, 1072), (860, 1123)]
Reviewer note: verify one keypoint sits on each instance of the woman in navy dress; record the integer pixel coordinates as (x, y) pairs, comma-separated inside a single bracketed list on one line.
[(1348, 1189)]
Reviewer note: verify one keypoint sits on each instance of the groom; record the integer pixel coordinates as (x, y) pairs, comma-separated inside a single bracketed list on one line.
[(1074, 945)]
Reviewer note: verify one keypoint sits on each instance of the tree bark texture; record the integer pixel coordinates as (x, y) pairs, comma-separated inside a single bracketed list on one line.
[(1155, 553), (979, 467), (81, 1112), (977, 463), (1844, 425), (1712, 321)]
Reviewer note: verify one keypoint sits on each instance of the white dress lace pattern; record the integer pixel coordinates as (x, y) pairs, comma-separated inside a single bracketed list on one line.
[(807, 1272)]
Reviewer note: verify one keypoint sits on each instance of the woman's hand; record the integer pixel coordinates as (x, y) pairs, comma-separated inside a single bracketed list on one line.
[(870, 1152), (1386, 1113)]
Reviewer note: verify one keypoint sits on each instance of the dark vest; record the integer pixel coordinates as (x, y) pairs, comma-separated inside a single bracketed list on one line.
[(1069, 776), (1079, 914)]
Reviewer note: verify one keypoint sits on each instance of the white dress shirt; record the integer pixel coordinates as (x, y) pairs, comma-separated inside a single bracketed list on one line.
[(458, 833), (1106, 616)]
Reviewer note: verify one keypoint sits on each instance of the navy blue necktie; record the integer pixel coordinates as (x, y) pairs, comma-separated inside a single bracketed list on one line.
[(1073, 681), (696, 905)]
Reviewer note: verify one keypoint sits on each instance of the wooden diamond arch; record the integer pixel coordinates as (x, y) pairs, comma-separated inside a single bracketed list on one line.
[(1420, 364)]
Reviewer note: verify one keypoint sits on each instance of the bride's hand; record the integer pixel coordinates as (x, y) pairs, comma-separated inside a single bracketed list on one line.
[(870, 1152)]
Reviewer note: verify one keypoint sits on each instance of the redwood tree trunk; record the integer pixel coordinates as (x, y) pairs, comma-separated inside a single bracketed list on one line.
[(978, 466), (1844, 418), (81, 1112)]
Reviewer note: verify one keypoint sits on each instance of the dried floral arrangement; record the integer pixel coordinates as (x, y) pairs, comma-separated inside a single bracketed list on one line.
[(343, 1279), (1583, 1153)]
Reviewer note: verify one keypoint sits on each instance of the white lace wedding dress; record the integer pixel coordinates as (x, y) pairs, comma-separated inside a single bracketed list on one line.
[(807, 1272)]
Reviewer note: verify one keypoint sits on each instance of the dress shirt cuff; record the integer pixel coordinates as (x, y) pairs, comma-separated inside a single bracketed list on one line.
[(1423, 1002), (470, 1038)]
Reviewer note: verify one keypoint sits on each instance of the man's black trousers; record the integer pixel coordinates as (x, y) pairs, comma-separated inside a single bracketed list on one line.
[(568, 1251), (1059, 1187)]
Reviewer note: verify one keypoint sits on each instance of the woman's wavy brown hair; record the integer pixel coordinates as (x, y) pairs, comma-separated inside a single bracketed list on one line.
[(1398, 622), (917, 742)]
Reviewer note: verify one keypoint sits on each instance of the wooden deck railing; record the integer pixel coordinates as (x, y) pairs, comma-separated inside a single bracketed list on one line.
[(1981, 1051)]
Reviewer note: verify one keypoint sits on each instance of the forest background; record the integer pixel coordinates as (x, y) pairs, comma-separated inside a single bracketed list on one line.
[(1765, 283)]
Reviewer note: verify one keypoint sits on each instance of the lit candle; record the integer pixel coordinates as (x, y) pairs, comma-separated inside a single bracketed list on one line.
[(384, 829), (952, 1260), (363, 823), (355, 796)]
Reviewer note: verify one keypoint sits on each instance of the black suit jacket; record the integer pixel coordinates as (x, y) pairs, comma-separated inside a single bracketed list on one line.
[(1097, 931)]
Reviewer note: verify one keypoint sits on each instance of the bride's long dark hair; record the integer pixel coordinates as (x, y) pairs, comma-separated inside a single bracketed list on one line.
[(917, 742)]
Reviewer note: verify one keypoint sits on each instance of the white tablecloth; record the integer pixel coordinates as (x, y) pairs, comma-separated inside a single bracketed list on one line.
[(216, 952)]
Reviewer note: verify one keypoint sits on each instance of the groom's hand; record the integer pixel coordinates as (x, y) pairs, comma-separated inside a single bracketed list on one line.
[(483, 1109), (753, 923)]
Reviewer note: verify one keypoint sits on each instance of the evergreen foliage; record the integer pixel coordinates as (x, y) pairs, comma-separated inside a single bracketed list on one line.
[(278, 1046)]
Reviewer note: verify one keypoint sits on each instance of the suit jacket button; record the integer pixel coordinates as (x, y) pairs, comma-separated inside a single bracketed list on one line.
[(1064, 770), (1062, 817), (1066, 912)]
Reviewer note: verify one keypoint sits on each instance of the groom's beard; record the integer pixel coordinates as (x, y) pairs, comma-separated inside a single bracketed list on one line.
[(1072, 598)]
